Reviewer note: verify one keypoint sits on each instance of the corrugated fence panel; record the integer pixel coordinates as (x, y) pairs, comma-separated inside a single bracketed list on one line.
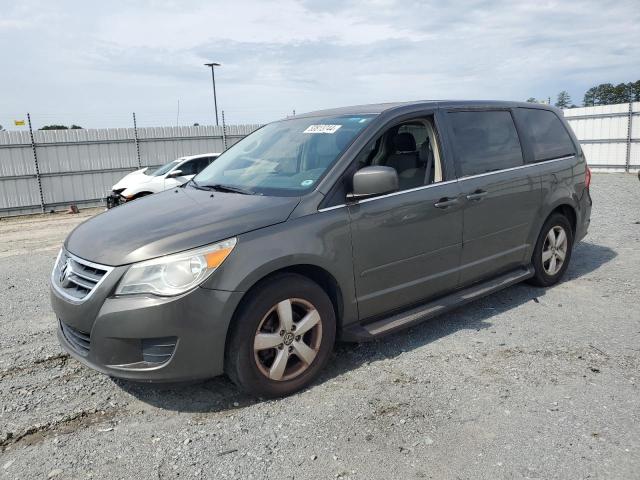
[(601, 155), (604, 133), (80, 166), (158, 152), (635, 156), (16, 160), (18, 192), (600, 128), (66, 189)]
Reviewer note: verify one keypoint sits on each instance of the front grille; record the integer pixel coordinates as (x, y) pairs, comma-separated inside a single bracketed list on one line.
[(76, 278), (80, 341)]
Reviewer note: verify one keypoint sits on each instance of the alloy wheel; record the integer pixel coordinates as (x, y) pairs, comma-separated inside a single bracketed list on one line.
[(554, 250), (288, 339)]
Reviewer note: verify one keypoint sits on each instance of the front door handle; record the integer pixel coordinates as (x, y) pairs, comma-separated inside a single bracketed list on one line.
[(446, 202), (477, 195)]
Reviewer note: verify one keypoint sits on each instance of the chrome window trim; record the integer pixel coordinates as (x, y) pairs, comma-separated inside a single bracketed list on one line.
[(82, 261), (401, 192), (392, 194), (519, 167)]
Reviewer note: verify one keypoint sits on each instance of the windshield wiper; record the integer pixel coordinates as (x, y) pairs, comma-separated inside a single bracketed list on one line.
[(225, 188)]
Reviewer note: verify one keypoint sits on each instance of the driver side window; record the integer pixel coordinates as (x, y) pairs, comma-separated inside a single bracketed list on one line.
[(411, 149), (188, 168)]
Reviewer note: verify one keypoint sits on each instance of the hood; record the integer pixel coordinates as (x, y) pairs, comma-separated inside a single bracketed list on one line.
[(173, 221), (132, 178)]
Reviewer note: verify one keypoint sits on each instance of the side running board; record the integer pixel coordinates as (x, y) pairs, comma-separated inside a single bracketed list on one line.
[(377, 328)]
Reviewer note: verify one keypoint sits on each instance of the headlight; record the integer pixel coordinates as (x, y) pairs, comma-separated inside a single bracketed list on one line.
[(175, 274)]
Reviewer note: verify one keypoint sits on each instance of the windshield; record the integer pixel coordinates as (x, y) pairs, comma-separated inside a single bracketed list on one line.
[(286, 157), (162, 170)]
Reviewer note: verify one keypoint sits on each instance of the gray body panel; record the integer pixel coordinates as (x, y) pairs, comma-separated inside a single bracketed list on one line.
[(172, 221), (405, 250), (497, 226), (379, 257)]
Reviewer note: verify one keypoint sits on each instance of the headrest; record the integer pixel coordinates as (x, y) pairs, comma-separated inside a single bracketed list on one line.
[(425, 150), (404, 142)]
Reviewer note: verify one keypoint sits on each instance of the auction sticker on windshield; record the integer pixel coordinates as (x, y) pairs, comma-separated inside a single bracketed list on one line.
[(322, 128)]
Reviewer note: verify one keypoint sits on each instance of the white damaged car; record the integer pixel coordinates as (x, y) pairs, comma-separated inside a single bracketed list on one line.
[(149, 180)]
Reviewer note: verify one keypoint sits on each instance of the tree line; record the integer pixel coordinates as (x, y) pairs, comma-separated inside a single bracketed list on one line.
[(603, 94)]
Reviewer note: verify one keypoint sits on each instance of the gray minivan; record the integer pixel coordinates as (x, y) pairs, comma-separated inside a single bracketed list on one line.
[(349, 223)]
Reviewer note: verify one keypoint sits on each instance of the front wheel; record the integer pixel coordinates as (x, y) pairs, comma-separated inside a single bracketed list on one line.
[(282, 336), (553, 251)]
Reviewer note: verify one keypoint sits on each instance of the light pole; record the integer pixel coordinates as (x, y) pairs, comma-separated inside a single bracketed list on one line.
[(213, 80)]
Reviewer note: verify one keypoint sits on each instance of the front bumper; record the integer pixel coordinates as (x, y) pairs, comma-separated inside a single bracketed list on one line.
[(148, 338), (114, 199)]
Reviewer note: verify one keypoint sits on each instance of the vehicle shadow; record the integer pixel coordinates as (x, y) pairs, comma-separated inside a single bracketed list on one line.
[(220, 395)]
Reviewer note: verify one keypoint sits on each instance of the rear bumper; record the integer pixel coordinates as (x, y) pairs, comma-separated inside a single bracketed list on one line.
[(151, 339), (585, 216)]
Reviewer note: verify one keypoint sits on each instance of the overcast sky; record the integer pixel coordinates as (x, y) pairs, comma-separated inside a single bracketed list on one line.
[(93, 63)]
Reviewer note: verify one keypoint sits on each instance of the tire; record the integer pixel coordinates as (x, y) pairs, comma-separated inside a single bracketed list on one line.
[(546, 272), (260, 341)]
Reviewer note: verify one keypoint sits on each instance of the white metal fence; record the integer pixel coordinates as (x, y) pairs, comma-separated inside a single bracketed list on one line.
[(51, 169), (55, 168), (609, 135)]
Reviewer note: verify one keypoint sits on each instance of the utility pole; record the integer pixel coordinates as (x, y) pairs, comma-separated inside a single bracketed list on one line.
[(135, 139), (213, 81), (35, 162)]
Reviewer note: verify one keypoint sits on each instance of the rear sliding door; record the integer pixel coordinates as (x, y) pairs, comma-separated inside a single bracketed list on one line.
[(501, 195)]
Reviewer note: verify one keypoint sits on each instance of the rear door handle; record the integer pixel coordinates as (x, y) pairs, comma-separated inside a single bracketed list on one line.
[(446, 202), (477, 195)]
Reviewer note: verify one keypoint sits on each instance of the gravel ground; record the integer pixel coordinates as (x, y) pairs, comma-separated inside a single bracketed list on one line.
[(526, 383)]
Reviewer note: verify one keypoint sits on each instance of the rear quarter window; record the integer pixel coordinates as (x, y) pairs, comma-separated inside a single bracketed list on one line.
[(547, 134), (485, 141)]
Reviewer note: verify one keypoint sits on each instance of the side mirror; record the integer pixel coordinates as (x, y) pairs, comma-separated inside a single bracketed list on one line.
[(370, 181), (174, 174)]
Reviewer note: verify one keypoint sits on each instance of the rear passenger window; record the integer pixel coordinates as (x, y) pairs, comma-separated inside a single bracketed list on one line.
[(547, 134), (485, 142)]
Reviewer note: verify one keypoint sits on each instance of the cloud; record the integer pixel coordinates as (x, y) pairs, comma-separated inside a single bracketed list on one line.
[(94, 63)]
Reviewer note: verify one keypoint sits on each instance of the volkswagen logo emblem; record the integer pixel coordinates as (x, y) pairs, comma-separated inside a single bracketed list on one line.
[(65, 271)]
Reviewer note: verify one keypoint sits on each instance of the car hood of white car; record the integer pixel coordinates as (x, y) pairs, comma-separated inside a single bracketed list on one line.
[(134, 178)]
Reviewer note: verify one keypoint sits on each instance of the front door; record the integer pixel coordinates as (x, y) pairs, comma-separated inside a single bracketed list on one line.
[(407, 244)]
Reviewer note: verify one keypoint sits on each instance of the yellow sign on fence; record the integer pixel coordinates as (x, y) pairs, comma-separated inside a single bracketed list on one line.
[(19, 123)]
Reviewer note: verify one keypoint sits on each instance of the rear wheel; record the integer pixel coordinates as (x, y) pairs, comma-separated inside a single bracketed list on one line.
[(553, 251), (282, 337)]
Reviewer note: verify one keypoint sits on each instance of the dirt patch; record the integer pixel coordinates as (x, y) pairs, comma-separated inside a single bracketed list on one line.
[(69, 424)]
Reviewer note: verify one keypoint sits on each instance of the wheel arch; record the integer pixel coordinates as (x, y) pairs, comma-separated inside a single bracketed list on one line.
[(142, 193), (566, 206), (569, 212), (314, 272)]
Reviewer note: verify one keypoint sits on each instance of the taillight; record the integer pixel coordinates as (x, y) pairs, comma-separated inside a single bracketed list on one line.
[(587, 177)]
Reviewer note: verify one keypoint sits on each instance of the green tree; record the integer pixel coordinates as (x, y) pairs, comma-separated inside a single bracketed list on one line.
[(634, 89), (55, 127), (608, 94), (563, 100), (621, 93), (531, 100), (589, 97), (60, 127), (1, 128), (605, 94)]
